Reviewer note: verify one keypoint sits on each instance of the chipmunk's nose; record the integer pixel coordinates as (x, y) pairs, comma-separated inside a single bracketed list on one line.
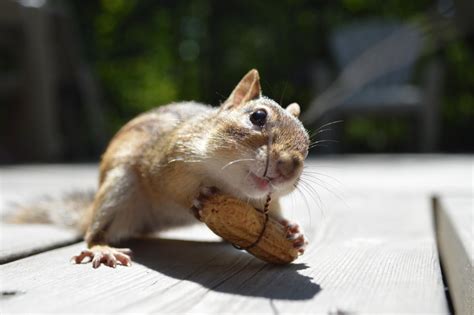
[(288, 164)]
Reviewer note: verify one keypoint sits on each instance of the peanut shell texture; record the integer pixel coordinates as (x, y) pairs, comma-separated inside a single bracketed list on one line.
[(241, 224)]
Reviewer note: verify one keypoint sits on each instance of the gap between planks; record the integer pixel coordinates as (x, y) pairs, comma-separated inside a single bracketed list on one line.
[(454, 219)]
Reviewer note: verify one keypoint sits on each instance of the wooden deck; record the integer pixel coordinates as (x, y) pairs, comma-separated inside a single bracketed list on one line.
[(373, 248)]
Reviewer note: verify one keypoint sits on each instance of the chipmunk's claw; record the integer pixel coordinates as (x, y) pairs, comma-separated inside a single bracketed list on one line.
[(294, 233), (106, 255), (204, 193)]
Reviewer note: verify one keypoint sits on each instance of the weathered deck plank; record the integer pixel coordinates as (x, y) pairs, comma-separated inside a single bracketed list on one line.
[(17, 241), (20, 183), (455, 224), (372, 249), (372, 256), (27, 184), (404, 175)]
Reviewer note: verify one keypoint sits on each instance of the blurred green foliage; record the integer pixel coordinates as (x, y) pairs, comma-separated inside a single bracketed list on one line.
[(458, 100), (152, 52)]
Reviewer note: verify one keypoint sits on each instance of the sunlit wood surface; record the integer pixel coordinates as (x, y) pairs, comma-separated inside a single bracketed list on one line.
[(369, 220)]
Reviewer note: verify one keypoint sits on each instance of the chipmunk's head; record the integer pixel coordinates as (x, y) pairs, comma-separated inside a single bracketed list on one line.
[(260, 146)]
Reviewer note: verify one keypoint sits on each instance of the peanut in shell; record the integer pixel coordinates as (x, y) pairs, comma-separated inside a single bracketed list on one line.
[(241, 224)]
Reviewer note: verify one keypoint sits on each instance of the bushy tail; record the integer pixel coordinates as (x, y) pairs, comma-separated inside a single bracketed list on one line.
[(66, 210)]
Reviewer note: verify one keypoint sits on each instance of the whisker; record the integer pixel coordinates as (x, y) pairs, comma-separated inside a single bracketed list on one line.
[(329, 124), (293, 204), (311, 166), (308, 210), (183, 161), (324, 140), (312, 193), (313, 172), (314, 133), (321, 183), (318, 132), (235, 161), (318, 143)]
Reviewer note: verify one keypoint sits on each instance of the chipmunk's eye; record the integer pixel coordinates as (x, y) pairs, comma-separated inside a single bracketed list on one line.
[(259, 117)]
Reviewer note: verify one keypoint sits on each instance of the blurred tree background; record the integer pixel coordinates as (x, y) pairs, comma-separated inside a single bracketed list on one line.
[(149, 52), (146, 53)]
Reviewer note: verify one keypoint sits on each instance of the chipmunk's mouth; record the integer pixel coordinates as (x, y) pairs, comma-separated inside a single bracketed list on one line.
[(265, 183), (261, 183)]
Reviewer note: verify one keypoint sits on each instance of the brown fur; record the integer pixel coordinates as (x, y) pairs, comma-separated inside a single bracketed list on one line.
[(160, 152), (155, 166)]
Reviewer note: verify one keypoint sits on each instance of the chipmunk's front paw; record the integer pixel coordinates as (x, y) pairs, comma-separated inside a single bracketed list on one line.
[(204, 193), (103, 254), (295, 233)]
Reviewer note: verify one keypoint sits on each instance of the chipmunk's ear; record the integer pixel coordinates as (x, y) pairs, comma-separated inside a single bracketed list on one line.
[(247, 90), (294, 109)]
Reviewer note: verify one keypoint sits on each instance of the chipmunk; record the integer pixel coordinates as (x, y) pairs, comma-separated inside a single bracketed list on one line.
[(158, 164)]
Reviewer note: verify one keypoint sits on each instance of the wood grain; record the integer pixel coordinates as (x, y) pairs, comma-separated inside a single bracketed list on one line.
[(25, 185), (20, 184), (17, 241), (374, 256), (368, 220), (455, 227)]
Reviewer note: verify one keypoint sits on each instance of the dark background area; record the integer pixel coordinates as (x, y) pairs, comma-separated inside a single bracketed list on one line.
[(107, 61)]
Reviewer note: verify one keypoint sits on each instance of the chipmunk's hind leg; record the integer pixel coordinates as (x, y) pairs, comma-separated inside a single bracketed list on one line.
[(119, 211)]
